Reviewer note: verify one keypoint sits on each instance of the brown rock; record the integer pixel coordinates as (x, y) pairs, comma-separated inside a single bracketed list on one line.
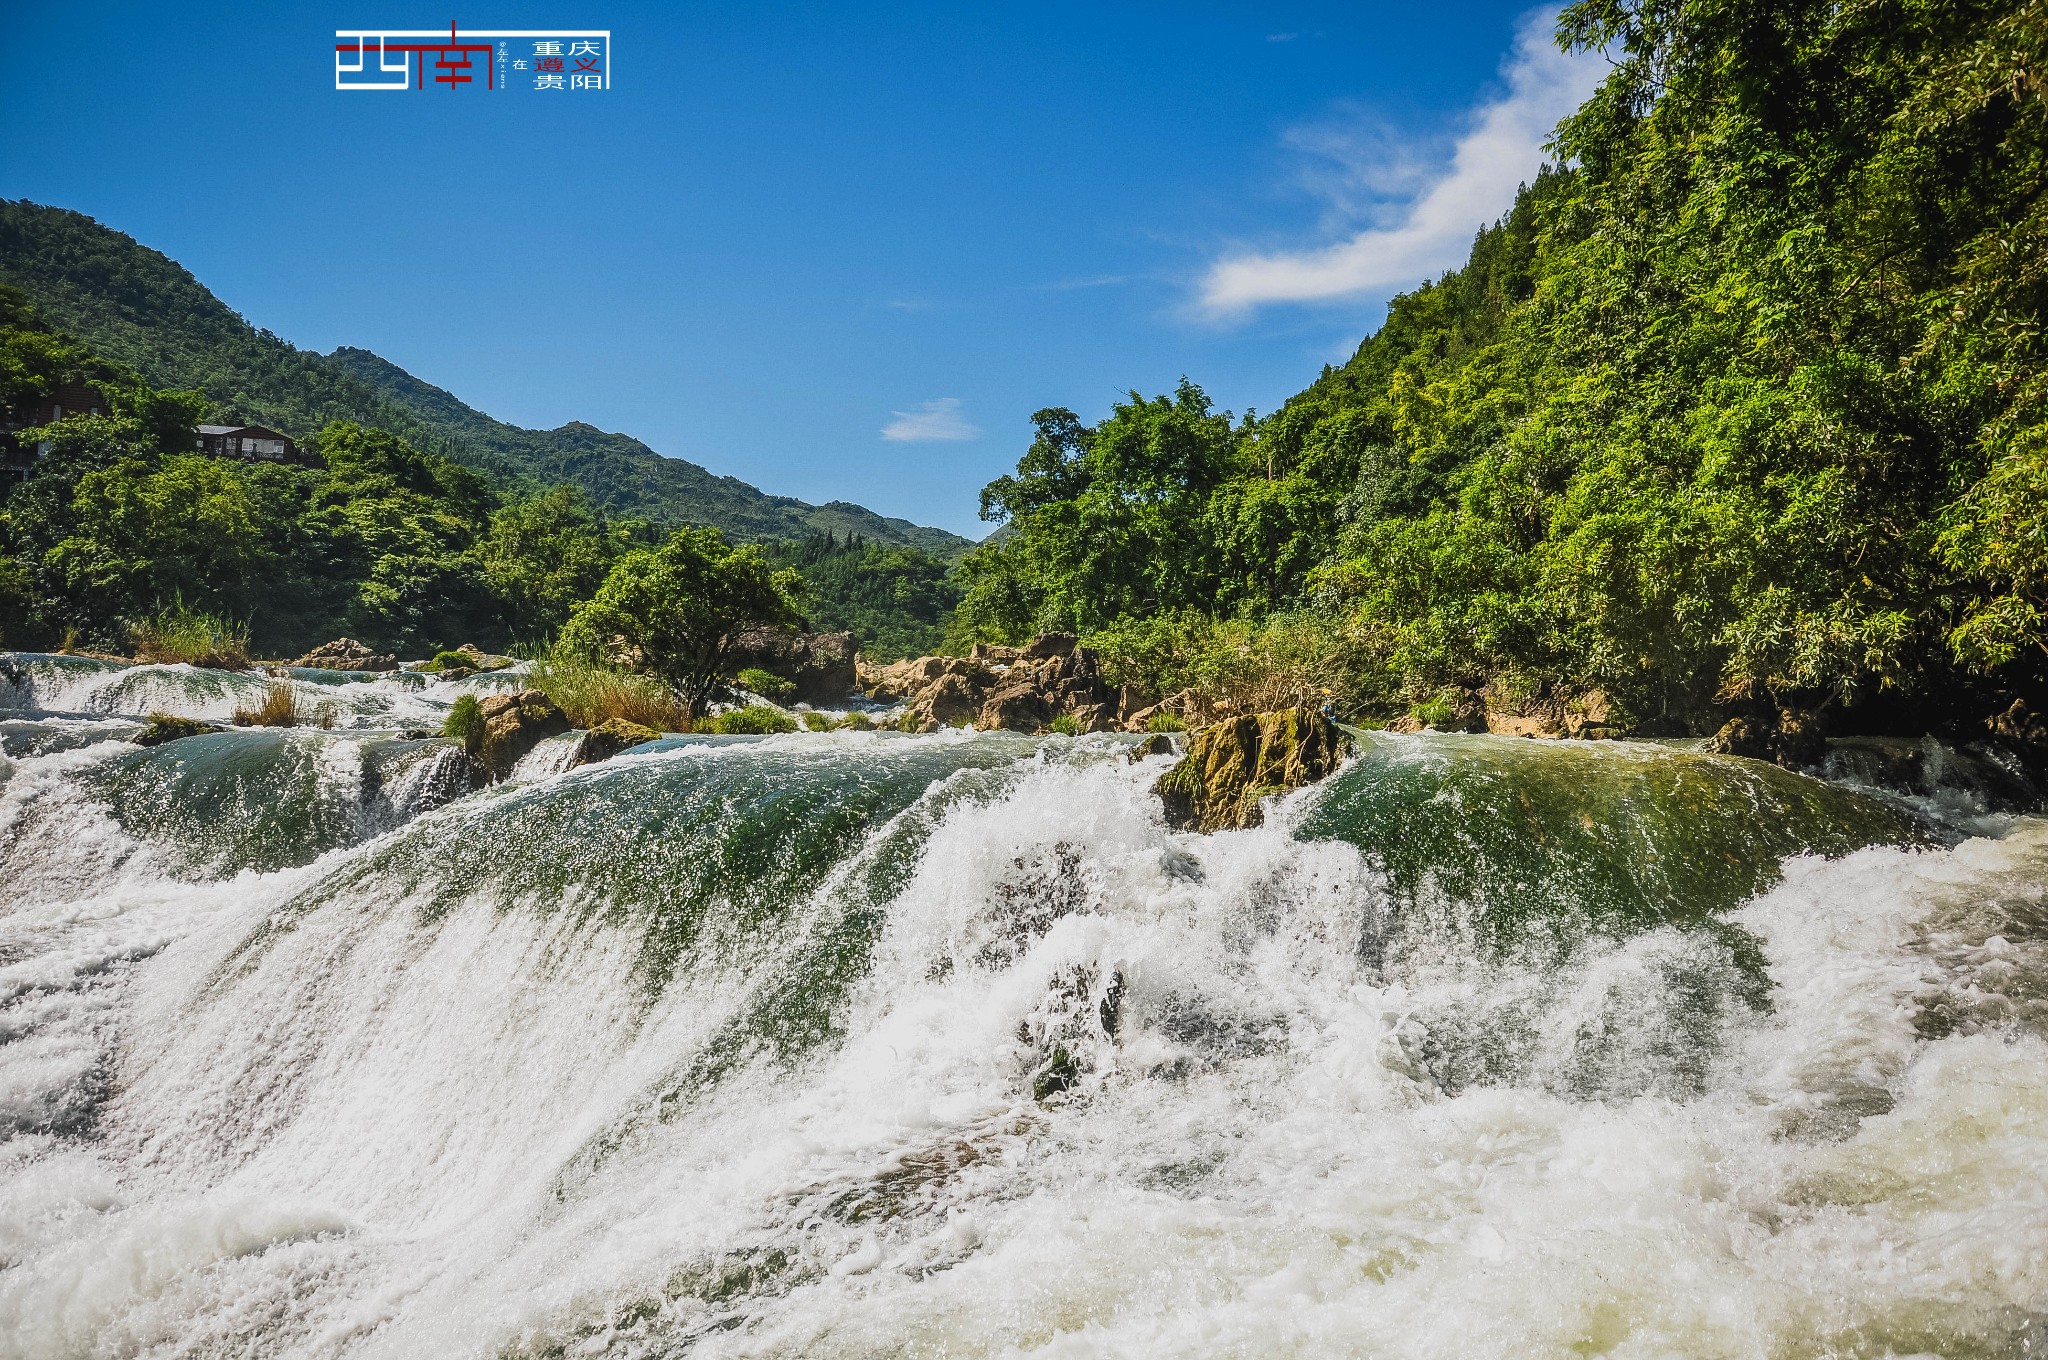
[(1130, 699), (1230, 766), (513, 725), (823, 666), (609, 738), (1182, 706), (1048, 645), (1020, 707), (346, 654), (1790, 737), (2018, 724), (952, 700)]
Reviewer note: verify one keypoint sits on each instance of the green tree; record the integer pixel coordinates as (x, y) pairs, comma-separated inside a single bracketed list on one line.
[(683, 607), (544, 555)]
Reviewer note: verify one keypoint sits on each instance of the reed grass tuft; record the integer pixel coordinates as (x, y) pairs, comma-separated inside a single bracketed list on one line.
[(592, 695), (177, 632)]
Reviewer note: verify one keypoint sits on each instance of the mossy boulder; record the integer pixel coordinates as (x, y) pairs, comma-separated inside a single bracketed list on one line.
[(612, 736), (514, 724), (165, 727), (1230, 766)]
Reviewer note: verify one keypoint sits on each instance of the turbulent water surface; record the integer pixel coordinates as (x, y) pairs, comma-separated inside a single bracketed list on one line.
[(867, 1044)]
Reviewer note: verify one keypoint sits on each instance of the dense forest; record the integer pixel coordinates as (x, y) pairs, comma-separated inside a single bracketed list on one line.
[(1740, 404)]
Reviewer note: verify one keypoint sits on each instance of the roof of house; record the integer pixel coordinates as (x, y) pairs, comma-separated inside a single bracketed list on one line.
[(241, 429)]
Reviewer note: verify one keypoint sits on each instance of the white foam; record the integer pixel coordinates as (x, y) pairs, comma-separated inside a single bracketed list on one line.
[(367, 1136)]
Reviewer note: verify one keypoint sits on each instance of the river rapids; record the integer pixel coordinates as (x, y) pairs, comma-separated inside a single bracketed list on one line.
[(871, 1044)]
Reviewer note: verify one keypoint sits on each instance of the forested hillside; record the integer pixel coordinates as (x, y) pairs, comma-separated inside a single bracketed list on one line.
[(1742, 406), (122, 524), (137, 307)]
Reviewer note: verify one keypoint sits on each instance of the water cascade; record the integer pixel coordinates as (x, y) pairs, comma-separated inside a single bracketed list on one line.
[(870, 1044)]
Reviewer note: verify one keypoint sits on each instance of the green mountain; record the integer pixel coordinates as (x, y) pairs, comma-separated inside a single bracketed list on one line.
[(138, 306)]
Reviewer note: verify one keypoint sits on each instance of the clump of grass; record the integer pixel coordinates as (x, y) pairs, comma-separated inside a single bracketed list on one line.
[(753, 720), (280, 708), (767, 684), (179, 633), (592, 695), (817, 722), (1165, 722), (465, 723), (1067, 725)]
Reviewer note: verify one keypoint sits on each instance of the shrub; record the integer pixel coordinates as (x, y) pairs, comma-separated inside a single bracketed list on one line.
[(1067, 725), (1165, 722), (179, 633), (856, 722), (1302, 658), (280, 708), (450, 661), (465, 723), (767, 684), (817, 722), (1434, 712), (592, 695), (753, 720)]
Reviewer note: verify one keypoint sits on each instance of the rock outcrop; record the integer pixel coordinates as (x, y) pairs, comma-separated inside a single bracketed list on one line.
[(1790, 737), (610, 737), (513, 725), (346, 654), (165, 727), (474, 659), (1231, 765), (820, 665), (1022, 689), (1542, 710)]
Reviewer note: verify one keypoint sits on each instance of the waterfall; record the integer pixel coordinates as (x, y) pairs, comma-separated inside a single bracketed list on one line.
[(875, 1044)]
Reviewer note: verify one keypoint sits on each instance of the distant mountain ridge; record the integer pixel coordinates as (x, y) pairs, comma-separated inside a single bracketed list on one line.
[(140, 307)]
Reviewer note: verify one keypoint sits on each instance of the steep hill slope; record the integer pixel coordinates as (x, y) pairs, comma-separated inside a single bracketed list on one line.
[(142, 308)]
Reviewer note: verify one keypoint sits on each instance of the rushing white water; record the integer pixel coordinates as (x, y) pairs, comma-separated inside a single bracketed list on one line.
[(867, 1044)]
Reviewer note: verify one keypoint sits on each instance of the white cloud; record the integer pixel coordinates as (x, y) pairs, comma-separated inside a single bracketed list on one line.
[(935, 420), (1432, 231)]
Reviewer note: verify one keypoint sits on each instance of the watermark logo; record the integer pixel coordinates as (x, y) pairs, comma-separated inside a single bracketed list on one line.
[(564, 60)]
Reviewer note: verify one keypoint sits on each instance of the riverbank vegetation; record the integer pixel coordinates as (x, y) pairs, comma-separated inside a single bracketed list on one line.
[(1744, 405)]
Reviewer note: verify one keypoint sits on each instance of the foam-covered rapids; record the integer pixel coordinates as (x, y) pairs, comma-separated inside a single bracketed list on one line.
[(871, 1044)]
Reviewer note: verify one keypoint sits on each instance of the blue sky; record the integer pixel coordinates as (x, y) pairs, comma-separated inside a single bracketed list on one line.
[(842, 252)]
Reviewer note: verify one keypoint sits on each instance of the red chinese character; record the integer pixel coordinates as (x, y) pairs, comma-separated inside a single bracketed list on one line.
[(587, 64), (548, 64)]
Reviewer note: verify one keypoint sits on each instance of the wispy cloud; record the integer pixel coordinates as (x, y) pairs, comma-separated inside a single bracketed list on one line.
[(1430, 228), (1282, 37), (937, 420), (1070, 285)]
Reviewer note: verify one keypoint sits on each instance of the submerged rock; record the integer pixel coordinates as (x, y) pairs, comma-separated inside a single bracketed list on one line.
[(165, 727), (346, 654), (513, 725), (1230, 766), (610, 737)]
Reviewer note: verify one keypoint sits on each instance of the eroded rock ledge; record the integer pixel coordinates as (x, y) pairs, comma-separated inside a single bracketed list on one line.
[(1234, 764), (1023, 689)]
